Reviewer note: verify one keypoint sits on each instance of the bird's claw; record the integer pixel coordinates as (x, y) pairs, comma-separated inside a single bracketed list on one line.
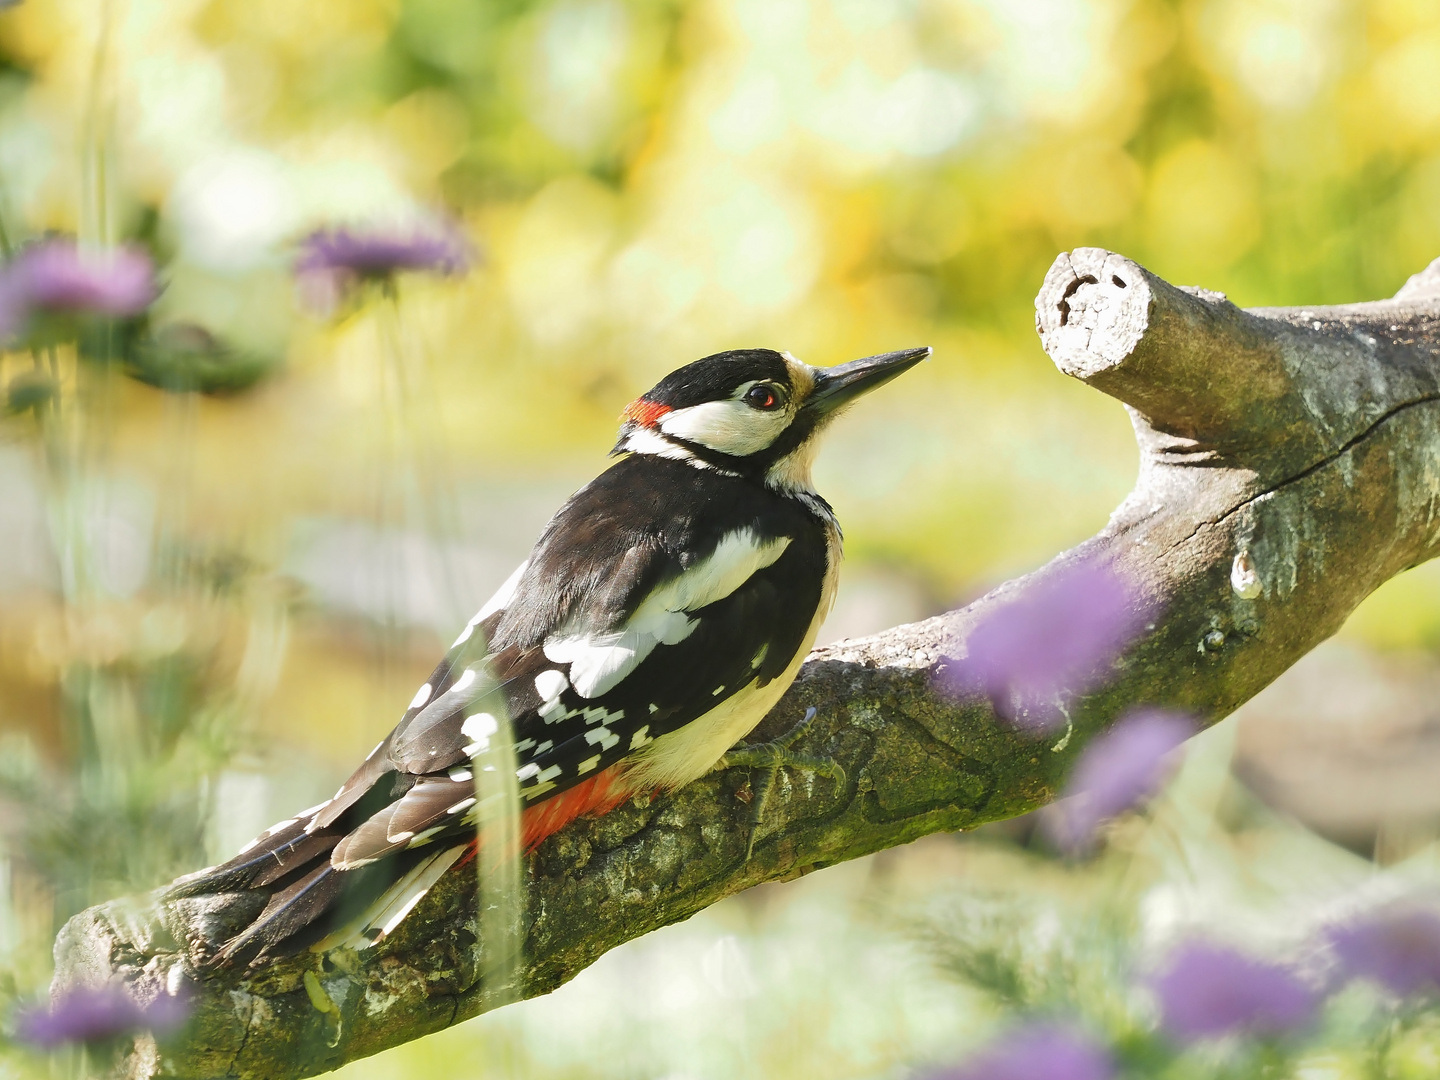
[(767, 758)]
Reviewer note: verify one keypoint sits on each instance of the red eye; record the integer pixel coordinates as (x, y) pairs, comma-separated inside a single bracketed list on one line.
[(761, 397)]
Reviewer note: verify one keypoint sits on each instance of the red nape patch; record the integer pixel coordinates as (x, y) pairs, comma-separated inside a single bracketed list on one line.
[(645, 413)]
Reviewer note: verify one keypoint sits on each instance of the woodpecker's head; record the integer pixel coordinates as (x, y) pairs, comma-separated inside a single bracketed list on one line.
[(755, 412)]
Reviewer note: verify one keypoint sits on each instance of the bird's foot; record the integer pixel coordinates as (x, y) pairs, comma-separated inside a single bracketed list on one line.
[(767, 759)]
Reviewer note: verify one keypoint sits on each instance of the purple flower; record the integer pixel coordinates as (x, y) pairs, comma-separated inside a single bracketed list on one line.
[(93, 1014), (1398, 948), (1208, 990), (1037, 1052), (1120, 769), (333, 260), (1055, 638), (55, 279)]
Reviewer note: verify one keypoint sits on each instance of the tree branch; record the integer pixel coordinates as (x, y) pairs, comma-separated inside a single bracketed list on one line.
[(1289, 464)]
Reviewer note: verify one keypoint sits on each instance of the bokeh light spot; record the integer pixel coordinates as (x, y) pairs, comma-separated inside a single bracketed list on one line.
[(1202, 208)]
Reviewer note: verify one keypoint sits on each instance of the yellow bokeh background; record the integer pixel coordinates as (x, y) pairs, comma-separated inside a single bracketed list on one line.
[(646, 182)]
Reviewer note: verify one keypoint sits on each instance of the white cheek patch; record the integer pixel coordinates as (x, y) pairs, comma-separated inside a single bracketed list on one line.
[(598, 662), (730, 426), (645, 441)]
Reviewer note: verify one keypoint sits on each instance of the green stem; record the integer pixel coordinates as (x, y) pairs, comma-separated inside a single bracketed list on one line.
[(420, 467), (95, 208), (6, 248)]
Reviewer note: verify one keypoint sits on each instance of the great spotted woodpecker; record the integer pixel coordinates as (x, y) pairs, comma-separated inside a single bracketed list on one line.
[(662, 613)]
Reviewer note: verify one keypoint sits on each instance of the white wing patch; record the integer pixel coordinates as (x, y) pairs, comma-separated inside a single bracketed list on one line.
[(736, 558), (598, 662)]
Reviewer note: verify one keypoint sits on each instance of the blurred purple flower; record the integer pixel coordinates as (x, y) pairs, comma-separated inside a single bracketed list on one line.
[(1037, 1052), (93, 1014), (333, 260), (55, 278), (1120, 769), (1056, 637), (1208, 990), (1398, 948)]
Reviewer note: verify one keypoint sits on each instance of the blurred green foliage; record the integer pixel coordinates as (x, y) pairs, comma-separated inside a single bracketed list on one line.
[(184, 655)]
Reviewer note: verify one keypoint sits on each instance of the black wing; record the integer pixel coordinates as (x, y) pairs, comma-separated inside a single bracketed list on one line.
[(622, 550)]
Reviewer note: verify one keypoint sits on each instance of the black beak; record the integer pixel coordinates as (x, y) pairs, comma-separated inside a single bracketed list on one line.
[(836, 387)]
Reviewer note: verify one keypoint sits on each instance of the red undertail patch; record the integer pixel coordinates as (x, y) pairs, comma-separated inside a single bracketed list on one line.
[(601, 793)]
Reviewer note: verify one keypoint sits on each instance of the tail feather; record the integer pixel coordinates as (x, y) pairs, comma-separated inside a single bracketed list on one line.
[(361, 781), (304, 850), (388, 910), (350, 884), (430, 807), (267, 859), (289, 911)]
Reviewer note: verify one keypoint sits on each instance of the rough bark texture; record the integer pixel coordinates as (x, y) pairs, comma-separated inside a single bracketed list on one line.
[(1290, 463)]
